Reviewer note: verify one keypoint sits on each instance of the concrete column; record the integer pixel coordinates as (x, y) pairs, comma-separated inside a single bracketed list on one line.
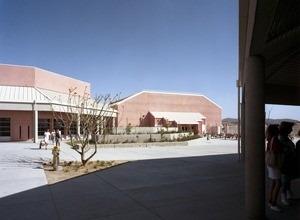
[(255, 138), (102, 125), (35, 123), (239, 119), (113, 122), (243, 139), (98, 126)]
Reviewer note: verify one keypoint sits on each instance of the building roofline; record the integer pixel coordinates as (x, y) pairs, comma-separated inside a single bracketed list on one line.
[(15, 65), (34, 67), (181, 113), (163, 92), (45, 99), (183, 117)]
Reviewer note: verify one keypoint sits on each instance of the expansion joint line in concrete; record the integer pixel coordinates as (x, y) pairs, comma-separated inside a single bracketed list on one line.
[(54, 204), (123, 192)]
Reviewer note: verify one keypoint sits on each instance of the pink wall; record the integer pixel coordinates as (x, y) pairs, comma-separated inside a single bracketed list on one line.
[(32, 76), (23, 119), (16, 75), (149, 120), (55, 82), (200, 128), (131, 109)]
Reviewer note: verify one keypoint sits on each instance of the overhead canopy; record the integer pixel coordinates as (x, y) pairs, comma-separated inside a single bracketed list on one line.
[(269, 73), (271, 28), (23, 98), (180, 117)]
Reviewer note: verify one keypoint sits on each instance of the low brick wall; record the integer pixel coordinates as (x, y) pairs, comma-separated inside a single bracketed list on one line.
[(139, 137), (154, 144), (143, 130)]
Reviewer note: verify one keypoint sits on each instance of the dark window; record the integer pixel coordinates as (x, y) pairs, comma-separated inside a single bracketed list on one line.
[(5, 127), (43, 125), (73, 128), (20, 132), (81, 128), (59, 124)]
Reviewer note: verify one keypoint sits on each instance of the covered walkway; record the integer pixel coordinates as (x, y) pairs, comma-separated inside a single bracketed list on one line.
[(269, 67)]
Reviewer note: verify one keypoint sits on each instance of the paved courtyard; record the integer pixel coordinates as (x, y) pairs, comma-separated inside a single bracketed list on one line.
[(201, 181)]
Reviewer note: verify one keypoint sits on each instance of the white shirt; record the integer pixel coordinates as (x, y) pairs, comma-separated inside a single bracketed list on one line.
[(47, 136)]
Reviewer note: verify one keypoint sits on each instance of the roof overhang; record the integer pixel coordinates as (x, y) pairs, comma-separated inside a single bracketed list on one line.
[(29, 98), (180, 117), (271, 28)]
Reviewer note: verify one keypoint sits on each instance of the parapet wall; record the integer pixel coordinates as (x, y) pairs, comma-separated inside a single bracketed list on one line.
[(35, 77)]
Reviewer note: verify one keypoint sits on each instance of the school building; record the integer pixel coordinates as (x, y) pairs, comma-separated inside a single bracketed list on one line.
[(28, 98), (188, 112)]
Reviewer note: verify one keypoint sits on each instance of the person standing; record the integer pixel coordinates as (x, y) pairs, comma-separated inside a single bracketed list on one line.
[(273, 144), (47, 138), (53, 136), (57, 137), (289, 161)]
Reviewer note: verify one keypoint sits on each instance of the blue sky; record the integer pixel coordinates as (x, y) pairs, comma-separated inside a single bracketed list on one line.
[(126, 46)]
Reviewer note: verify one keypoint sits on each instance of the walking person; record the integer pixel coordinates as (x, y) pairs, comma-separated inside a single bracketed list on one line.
[(289, 163), (273, 144), (57, 137)]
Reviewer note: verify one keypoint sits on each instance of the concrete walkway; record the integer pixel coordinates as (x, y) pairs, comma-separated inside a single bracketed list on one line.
[(201, 181), (21, 162)]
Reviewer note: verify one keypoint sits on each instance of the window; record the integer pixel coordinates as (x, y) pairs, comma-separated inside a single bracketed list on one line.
[(73, 128), (59, 124), (5, 127), (43, 125)]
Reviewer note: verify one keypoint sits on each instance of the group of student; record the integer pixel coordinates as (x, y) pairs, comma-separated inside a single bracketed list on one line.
[(278, 141), (55, 136)]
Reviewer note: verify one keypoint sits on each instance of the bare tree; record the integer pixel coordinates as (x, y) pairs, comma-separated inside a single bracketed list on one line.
[(85, 118)]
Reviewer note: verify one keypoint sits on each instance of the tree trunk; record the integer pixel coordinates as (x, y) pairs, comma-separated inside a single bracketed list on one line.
[(83, 156)]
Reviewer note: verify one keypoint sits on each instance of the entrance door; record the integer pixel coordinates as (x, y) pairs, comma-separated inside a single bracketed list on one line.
[(24, 132)]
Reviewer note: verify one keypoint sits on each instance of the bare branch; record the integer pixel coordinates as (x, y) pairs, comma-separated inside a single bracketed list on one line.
[(84, 118)]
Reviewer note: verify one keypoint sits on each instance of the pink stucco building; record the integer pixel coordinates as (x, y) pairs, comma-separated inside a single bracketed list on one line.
[(27, 95), (188, 112)]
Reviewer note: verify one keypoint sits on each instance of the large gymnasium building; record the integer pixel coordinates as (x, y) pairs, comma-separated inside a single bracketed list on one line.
[(187, 112)]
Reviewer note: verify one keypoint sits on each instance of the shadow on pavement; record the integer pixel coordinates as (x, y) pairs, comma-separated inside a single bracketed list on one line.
[(206, 187)]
